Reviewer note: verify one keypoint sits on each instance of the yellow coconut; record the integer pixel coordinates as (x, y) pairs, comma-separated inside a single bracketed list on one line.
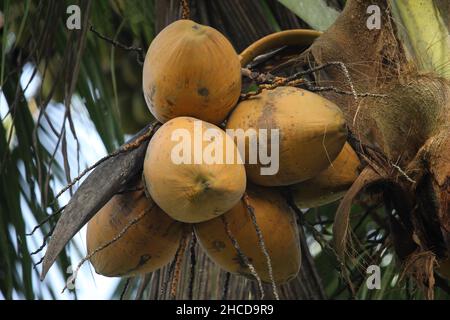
[(278, 226), (311, 129), (187, 172), (331, 184), (145, 246), (191, 70)]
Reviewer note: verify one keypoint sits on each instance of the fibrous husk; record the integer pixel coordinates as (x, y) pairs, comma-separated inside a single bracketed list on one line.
[(444, 268), (420, 265), (407, 126)]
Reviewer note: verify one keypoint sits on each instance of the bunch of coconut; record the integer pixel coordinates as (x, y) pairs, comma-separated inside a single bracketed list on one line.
[(220, 165)]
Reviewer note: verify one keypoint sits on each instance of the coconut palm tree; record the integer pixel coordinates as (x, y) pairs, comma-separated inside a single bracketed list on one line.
[(72, 72)]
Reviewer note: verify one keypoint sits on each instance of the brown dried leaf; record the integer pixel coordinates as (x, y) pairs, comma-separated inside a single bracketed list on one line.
[(106, 180), (342, 219)]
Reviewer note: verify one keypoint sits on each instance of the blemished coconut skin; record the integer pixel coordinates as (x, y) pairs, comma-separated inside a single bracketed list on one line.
[(312, 132), (191, 70), (192, 192), (331, 184), (278, 226), (146, 246)]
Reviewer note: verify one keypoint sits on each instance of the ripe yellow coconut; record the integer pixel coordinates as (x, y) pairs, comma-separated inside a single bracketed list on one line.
[(331, 184), (278, 226), (191, 70), (145, 246), (187, 171), (311, 129)]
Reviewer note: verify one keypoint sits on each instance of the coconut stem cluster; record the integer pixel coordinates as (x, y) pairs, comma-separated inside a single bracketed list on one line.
[(184, 91)]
